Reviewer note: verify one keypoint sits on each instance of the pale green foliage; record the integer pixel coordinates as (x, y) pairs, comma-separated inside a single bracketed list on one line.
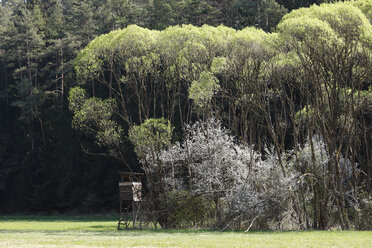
[(306, 30), (251, 34), (94, 116), (134, 41), (76, 98), (219, 65), (247, 48), (203, 89), (287, 59), (364, 5), (248, 55), (343, 19), (132, 46), (319, 34), (248, 44), (191, 58), (187, 51), (87, 63), (110, 134), (151, 136)]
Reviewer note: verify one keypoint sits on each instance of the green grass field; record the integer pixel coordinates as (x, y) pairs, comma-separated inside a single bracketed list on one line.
[(20, 231)]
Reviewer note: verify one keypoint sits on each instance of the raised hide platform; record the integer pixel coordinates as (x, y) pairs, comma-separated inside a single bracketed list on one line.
[(130, 195)]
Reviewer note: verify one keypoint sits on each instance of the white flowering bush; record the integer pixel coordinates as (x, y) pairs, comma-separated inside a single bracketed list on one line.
[(263, 199), (210, 179), (319, 192), (211, 163)]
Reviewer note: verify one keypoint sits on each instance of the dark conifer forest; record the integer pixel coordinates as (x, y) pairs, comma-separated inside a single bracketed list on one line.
[(91, 87)]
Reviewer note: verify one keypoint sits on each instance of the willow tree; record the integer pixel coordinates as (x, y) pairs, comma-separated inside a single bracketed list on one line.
[(187, 53), (149, 139), (332, 45), (249, 91)]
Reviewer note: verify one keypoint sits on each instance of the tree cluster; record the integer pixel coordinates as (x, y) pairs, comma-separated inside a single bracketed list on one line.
[(301, 94)]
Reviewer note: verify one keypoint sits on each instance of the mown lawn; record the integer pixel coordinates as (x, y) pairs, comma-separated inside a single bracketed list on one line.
[(20, 231)]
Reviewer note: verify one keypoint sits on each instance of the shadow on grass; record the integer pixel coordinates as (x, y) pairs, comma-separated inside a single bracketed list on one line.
[(124, 233), (109, 229), (53, 218), (90, 231)]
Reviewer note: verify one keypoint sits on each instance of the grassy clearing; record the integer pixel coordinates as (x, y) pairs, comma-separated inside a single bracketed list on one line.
[(101, 232)]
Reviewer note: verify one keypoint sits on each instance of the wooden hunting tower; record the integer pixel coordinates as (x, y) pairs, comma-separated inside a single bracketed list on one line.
[(130, 195)]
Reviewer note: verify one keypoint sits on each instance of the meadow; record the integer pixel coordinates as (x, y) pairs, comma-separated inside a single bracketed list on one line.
[(39, 231)]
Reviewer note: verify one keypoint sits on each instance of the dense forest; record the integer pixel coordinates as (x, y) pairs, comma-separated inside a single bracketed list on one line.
[(91, 87)]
